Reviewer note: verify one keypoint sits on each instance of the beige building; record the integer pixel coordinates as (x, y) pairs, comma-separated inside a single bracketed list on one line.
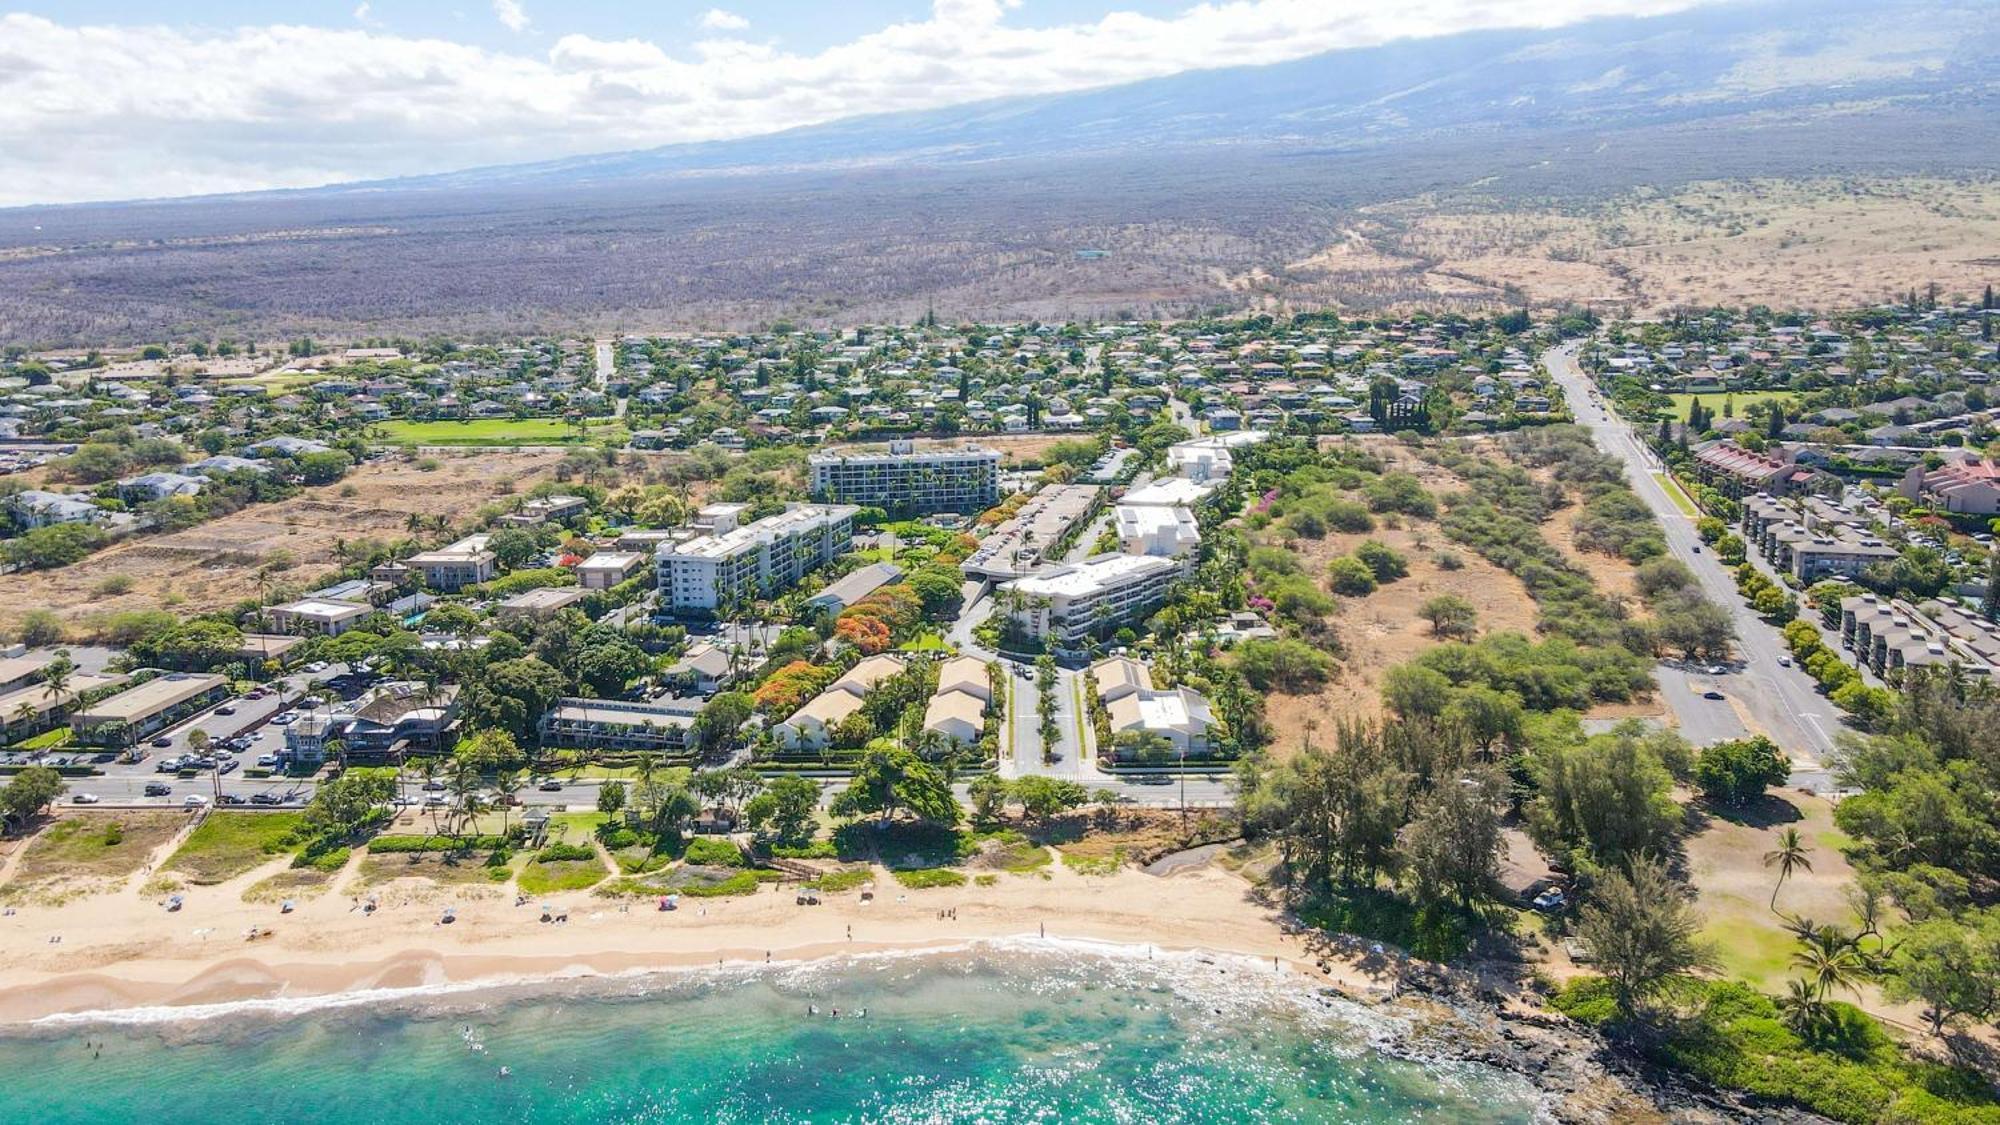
[(129, 716)]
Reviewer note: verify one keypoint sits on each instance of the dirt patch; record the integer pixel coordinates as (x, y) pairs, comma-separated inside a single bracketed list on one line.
[(1846, 240), (1613, 575), (215, 565), (1383, 630), (87, 853)]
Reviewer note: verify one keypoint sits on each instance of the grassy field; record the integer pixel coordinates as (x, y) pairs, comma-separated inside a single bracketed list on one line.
[(495, 431), (103, 846), (1678, 496), (1715, 399), (229, 843), (540, 878)]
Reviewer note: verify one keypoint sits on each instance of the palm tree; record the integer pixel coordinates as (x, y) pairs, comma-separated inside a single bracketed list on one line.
[(56, 681), (25, 715), (1803, 1010), (1830, 960), (1791, 855), (506, 784)]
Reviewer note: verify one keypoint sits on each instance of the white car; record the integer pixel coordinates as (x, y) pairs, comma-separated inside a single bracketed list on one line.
[(194, 800), (86, 799), (1784, 662), (267, 759)]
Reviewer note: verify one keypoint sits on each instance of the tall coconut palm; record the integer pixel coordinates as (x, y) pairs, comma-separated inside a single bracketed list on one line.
[(1802, 1008), (1790, 856), (1830, 959)]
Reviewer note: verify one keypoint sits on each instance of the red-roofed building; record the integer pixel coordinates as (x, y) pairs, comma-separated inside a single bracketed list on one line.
[(1737, 472), (1970, 485)]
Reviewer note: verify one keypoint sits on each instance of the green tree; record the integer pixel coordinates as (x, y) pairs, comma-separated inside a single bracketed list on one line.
[(1606, 799), (1642, 930), (787, 809), (28, 794), (1450, 616), (1452, 846), (1738, 771), (513, 547), (1041, 798), (611, 797), (989, 796), (888, 779), (720, 724), (1952, 966), (1414, 691), (1350, 576)]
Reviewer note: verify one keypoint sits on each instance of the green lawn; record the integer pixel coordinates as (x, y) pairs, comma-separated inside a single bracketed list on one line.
[(1677, 495), (1750, 951), (924, 642), (539, 878), (1714, 400), (229, 843), (495, 431)]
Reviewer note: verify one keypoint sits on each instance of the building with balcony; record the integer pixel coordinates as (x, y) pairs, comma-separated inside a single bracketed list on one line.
[(1065, 606), (903, 479), (704, 575)]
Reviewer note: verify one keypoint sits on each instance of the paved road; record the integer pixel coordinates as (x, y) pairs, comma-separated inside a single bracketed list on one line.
[(1781, 701), (607, 365)]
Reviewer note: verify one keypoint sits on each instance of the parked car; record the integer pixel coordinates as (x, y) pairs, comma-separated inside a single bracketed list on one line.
[(264, 799), (163, 740), (85, 799), (225, 709), (168, 765), (267, 760), (225, 765), (433, 786), (156, 789), (550, 786), (194, 800), (1711, 693), (229, 799)]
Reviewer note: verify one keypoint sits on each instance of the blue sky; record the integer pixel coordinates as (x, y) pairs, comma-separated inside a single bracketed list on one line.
[(119, 99)]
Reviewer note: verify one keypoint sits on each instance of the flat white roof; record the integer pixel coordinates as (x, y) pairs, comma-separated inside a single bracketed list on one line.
[(1091, 576), (1168, 492), (802, 518), (312, 607)]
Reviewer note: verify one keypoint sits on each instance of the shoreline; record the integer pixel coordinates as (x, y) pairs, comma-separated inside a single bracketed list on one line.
[(136, 955)]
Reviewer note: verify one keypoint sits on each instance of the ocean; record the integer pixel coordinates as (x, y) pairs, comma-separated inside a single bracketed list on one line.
[(989, 1033)]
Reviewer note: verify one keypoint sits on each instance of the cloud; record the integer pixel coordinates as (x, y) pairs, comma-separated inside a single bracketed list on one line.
[(511, 14), (125, 111), (716, 19), (361, 14)]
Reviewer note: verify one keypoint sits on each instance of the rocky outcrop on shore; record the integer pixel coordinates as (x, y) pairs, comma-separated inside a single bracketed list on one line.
[(1586, 1077)]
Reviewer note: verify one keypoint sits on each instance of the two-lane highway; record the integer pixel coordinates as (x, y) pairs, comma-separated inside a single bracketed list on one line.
[(1779, 698)]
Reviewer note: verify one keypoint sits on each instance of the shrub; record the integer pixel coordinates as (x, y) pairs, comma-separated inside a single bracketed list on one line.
[(927, 877), (558, 852), (1351, 577), (707, 851), (1384, 562)]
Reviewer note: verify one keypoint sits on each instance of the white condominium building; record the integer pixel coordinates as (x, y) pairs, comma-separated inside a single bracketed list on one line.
[(1064, 606), (757, 560), (1169, 533), (938, 480)]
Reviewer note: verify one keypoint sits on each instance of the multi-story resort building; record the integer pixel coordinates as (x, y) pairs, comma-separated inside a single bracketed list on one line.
[(1064, 606), (1807, 545), (904, 479), (701, 576), (453, 568)]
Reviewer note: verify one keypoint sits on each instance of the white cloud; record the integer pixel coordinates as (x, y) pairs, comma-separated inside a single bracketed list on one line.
[(716, 19), (511, 14), (111, 112), (361, 13)]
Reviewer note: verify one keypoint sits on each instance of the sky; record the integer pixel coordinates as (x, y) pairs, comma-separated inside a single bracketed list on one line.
[(124, 99)]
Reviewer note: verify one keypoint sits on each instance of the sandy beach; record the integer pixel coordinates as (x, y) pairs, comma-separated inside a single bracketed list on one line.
[(125, 950)]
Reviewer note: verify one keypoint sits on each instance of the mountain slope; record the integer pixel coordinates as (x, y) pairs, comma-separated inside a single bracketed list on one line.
[(1757, 57)]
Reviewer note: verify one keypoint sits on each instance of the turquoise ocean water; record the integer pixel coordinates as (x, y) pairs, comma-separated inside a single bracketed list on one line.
[(990, 1034)]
